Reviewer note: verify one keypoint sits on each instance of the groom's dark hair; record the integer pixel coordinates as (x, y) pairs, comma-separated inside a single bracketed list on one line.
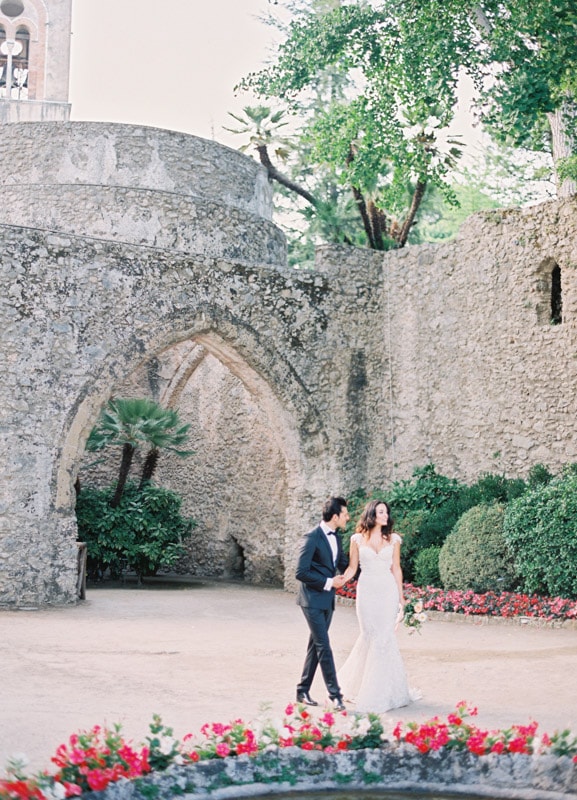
[(334, 505)]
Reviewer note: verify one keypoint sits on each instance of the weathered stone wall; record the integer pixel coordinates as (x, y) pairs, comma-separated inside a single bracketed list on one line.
[(298, 383), (365, 773), (480, 378), (113, 155), (234, 485), (81, 315)]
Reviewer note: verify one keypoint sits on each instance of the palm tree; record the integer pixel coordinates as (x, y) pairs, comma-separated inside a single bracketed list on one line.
[(135, 423), (165, 432)]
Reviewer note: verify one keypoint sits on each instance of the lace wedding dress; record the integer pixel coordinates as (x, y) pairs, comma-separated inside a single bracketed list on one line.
[(373, 676)]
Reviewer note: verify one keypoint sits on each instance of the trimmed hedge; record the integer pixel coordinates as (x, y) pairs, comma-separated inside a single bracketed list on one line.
[(475, 554), (541, 529)]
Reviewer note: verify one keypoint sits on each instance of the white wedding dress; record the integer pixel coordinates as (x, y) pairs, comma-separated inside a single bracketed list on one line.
[(373, 676)]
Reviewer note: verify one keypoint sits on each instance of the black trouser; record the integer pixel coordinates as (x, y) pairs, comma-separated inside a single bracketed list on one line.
[(319, 651)]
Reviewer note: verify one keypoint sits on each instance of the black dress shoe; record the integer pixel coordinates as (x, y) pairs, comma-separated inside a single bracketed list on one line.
[(337, 704), (304, 697)]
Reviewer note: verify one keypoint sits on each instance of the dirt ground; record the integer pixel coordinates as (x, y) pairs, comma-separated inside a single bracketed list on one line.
[(203, 652)]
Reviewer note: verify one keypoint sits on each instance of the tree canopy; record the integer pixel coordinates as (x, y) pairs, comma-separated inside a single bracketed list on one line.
[(373, 88)]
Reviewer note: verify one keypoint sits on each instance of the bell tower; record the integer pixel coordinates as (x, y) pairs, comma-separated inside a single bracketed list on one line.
[(34, 60)]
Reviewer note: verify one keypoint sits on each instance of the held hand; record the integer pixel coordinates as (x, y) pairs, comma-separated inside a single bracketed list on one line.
[(339, 581)]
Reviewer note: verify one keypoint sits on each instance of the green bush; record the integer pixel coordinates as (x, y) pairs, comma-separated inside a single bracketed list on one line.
[(487, 489), (541, 530), (408, 527), (145, 532), (427, 567), (539, 475), (475, 554), (491, 487), (425, 490)]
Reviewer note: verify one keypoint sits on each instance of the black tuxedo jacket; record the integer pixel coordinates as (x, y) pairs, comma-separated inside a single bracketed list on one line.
[(314, 566)]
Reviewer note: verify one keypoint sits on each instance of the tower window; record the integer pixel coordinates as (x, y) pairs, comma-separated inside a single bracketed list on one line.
[(556, 297)]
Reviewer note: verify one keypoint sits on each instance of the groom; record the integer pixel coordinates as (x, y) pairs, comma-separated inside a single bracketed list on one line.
[(321, 557)]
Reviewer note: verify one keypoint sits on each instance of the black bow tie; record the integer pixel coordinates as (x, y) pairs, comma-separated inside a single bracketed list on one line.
[(331, 533)]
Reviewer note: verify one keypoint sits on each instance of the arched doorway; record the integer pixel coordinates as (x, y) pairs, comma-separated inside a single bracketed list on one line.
[(247, 485)]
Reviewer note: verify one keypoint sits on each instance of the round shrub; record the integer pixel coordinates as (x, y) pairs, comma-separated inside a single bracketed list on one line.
[(427, 567), (475, 554), (541, 530)]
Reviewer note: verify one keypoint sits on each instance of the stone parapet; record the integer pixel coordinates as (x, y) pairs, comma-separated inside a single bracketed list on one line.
[(109, 154), (392, 768), (176, 222)]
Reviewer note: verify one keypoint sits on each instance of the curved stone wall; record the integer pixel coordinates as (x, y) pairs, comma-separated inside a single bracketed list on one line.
[(111, 154), (139, 185), (165, 220), (388, 769)]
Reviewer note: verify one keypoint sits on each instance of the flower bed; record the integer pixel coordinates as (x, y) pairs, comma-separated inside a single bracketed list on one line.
[(326, 750), (493, 604)]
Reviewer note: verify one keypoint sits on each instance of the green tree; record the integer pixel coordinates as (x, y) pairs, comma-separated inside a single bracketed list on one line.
[(133, 423), (384, 134), (531, 58), (379, 134)]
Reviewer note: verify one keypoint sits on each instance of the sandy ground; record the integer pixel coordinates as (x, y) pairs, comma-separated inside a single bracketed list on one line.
[(204, 652)]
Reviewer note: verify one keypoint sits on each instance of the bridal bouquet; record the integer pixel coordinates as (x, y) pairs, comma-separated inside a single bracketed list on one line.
[(413, 615)]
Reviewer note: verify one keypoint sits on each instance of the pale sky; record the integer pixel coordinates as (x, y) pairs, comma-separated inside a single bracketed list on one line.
[(177, 68), (173, 69)]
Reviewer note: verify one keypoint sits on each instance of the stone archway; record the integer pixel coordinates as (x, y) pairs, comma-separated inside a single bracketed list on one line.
[(247, 453)]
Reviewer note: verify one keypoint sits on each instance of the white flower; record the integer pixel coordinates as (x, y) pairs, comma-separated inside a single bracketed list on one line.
[(418, 607), (17, 763), (363, 725), (421, 617), (54, 791), (167, 745), (412, 132)]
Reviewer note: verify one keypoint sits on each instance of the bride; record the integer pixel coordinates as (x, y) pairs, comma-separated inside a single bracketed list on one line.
[(373, 676)]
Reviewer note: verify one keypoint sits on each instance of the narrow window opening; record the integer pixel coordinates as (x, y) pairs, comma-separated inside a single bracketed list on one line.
[(14, 57), (556, 297), (235, 561)]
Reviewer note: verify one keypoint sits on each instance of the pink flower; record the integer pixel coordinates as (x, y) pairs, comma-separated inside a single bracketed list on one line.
[(222, 749)]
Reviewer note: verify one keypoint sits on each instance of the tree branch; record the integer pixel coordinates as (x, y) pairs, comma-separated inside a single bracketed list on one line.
[(418, 195), (362, 206), (277, 176), (378, 225)]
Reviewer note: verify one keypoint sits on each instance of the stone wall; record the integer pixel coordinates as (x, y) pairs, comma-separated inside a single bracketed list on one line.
[(82, 315), (391, 769), (480, 378), (298, 383)]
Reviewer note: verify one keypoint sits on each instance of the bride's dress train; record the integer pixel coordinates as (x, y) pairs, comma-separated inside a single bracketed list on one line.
[(373, 676)]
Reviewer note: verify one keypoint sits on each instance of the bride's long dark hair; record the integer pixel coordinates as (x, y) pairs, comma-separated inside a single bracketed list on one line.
[(368, 519)]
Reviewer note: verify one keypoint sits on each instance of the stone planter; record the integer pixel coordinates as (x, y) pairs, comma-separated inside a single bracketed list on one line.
[(392, 768)]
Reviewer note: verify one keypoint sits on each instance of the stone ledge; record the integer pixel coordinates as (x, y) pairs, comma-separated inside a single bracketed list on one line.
[(392, 768)]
